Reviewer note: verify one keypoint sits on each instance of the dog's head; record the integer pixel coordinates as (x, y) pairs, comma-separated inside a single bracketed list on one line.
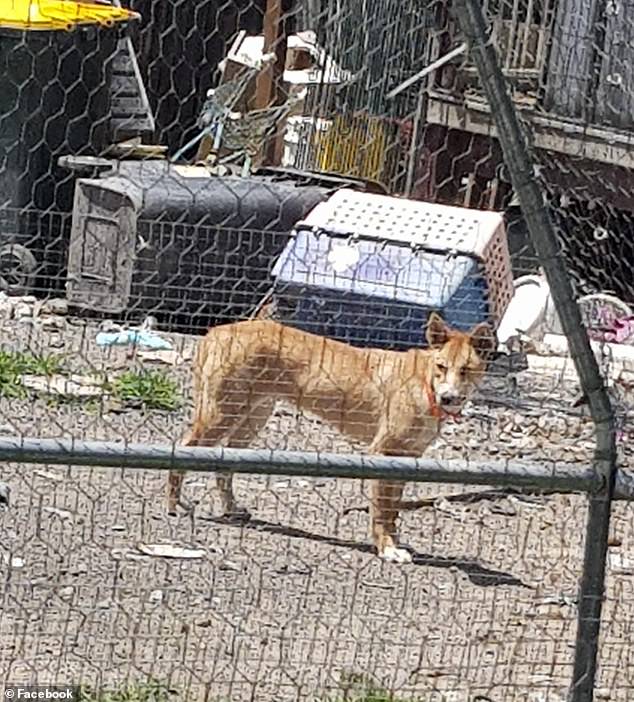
[(459, 360)]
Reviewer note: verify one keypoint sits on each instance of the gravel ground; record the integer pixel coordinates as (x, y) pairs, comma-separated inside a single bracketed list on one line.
[(288, 606)]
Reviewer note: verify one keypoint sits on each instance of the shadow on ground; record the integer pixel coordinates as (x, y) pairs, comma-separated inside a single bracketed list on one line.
[(477, 573)]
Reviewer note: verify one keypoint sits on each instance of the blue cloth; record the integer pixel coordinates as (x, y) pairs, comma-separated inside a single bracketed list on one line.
[(137, 337)]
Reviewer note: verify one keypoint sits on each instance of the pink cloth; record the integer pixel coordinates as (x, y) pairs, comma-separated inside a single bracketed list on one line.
[(619, 331)]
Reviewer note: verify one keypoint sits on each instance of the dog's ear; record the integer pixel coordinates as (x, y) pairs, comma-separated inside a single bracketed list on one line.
[(484, 340), (437, 331)]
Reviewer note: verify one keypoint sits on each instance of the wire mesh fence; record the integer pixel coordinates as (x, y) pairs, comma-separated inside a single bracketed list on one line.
[(333, 167)]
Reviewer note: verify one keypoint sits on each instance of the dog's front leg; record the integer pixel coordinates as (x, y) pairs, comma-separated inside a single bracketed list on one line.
[(384, 501)]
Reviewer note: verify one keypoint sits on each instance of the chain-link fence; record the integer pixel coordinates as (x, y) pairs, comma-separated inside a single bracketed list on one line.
[(344, 169)]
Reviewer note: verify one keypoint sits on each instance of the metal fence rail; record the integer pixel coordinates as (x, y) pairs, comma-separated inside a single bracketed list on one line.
[(522, 173), (563, 478)]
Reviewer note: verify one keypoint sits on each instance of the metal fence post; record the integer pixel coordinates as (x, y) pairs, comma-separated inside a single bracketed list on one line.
[(518, 161)]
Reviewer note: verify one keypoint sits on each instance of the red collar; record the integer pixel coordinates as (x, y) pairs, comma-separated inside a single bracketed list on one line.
[(434, 408)]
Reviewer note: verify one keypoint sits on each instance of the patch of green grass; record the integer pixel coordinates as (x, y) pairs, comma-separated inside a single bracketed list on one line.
[(153, 389), (357, 687), (150, 691), (88, 405), (354, 688), (370, 695), (14, 364)]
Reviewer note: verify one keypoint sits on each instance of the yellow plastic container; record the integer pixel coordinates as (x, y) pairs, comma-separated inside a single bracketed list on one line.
[(59, 14), (354, 146)]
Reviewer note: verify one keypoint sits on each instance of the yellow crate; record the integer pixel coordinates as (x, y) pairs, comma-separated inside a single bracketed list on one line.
[(59, 14), (354, 145)]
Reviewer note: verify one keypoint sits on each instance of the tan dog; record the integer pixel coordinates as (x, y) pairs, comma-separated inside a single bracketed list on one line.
[(391, 401)]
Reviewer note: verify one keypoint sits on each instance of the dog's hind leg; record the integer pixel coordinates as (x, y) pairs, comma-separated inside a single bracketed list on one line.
[(235, 426), (241, 436), (210, 437), (175, 479)]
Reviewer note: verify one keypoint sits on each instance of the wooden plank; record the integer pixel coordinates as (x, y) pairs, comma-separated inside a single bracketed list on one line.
[(147, 109), (615, 93), (510, 47), (265, 84), (269, 88), (526, 73), (121, 62), (571, 55), (127, 107), (541, 53), (131, 113), (525, 58), (605, 146), (127, 85), (130, 126), (124, 86)]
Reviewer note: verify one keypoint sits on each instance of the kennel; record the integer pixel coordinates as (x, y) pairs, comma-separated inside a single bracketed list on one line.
[(368, 269)]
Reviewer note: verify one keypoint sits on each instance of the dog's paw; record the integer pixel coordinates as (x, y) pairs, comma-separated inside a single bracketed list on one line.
[(392, 554)]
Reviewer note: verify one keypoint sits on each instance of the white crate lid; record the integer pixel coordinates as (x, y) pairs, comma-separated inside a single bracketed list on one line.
[(411, 222)]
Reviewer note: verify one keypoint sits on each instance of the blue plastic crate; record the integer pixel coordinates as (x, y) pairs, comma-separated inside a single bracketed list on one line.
[(375, 293)]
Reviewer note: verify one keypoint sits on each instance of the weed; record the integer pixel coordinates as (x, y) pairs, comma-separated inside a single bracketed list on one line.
[(362, 688), (15, 364), (154, 389), (355, 688), (150, 691)]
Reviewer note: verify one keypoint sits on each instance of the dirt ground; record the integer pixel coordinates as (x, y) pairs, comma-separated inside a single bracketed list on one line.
[(288, 606)]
